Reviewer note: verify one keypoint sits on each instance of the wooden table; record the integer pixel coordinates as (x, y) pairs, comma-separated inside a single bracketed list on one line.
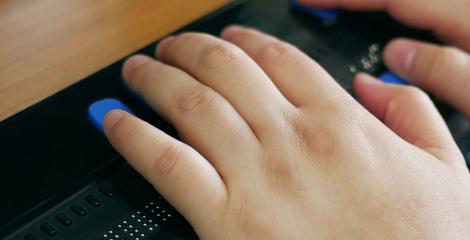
[(47, 45)]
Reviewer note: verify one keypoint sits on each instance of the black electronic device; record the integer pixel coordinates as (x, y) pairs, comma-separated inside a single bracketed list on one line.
[(60, 178)]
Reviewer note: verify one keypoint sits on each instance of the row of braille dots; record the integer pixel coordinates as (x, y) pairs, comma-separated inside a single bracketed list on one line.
[(157, 210), (137, 227), (367, 62)]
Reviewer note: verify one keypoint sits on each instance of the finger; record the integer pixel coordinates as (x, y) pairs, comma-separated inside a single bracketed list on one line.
[(408, 112), (349, 4), (443, 71), (230, 72), (178, 172), (447, 20), (203, 118), (299, 78)]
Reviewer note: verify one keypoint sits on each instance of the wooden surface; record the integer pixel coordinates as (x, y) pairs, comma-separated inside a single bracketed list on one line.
[(47, 45)]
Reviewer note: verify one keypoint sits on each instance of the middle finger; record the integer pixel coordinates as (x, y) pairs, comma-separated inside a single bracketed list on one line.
[(233, 74)]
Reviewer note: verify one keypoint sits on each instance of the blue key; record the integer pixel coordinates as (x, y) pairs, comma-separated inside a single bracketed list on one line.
[(98, 110), (325, 14), (391, 78)]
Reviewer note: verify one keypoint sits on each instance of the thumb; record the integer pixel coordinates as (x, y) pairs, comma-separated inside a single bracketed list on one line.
[(409, 112), (443, 71)]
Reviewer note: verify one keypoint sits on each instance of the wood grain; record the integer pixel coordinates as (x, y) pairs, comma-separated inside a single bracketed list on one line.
[(47, 45)]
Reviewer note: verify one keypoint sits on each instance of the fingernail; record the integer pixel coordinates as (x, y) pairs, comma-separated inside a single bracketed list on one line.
[(163, 44), (112, 118), (230, 31), (367, 79), (136, 61), (133, 63)]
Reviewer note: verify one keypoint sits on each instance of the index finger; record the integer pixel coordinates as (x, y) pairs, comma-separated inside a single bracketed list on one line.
[(186, 179)]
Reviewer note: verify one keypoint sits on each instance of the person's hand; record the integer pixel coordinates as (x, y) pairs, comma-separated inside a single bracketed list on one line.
[(442, 70), (274, 148), (447, 19)]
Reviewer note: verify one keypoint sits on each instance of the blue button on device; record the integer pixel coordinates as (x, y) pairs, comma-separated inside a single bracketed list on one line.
[(325, 14), (391, 78), (98, 110)]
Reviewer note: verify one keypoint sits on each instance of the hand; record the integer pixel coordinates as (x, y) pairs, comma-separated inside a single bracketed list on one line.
[(443, 71), (274, 148), (447, 19)]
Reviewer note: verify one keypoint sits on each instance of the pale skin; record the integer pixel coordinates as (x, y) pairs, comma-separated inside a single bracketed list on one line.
[(273, 148)]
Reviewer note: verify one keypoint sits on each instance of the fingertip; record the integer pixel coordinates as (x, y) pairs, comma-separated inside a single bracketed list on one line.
[(371, 93), (163, 45), (362, 82), (364, 78), (112, 119), (230, 31), (133, 63), (399, 55)]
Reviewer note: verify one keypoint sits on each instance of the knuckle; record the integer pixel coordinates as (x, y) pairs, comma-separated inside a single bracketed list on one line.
[(196, 99), (219, 55), (247, 215), (282, 174), (316, 139), (275, 171), (165, 161), (271, 52)]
